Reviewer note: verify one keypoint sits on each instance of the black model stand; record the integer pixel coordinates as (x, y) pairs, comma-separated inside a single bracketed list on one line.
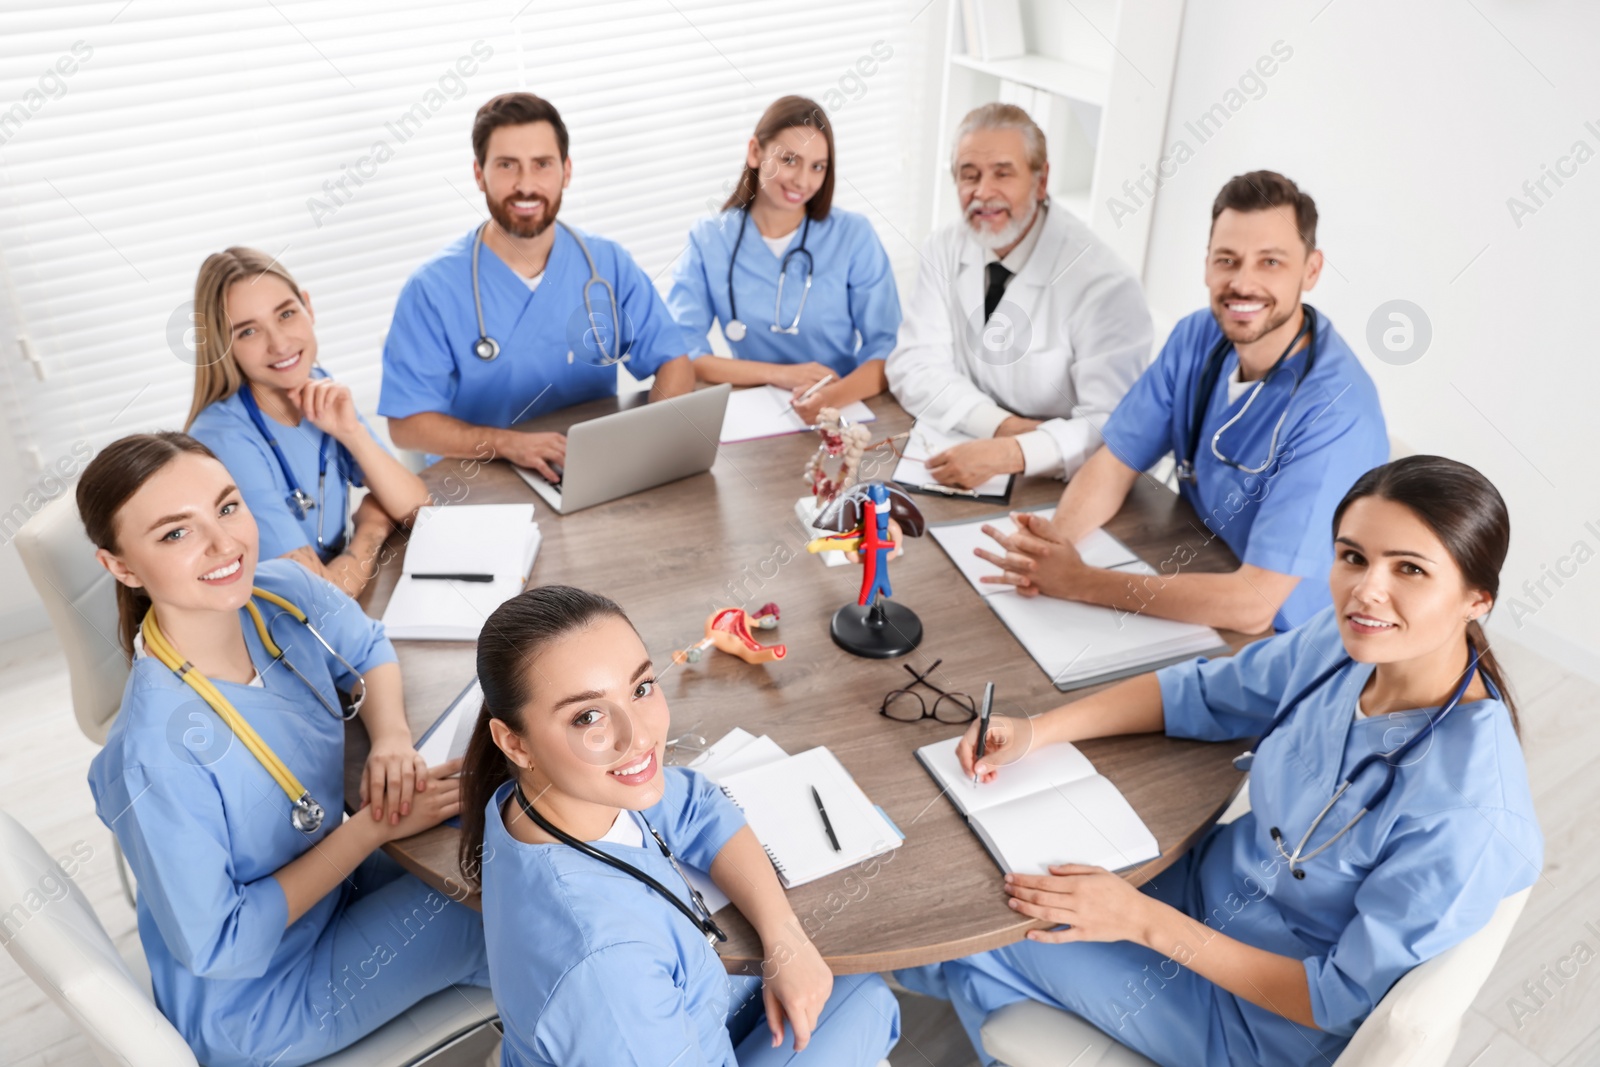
[(884, 630)]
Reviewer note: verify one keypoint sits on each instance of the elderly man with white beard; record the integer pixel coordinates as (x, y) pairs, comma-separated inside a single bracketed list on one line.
[(1026, 329)]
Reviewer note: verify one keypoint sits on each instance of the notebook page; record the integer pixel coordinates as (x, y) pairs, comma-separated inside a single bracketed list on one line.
[(926, 442), (1098, 549), (764, 411), (1039, 770), (1088, 821), (471, 537), (777, 803)]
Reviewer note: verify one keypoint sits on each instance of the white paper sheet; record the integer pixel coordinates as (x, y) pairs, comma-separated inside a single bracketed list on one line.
[(764, 411)]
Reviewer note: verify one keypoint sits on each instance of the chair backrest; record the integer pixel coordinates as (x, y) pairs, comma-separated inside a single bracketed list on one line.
[(49, 928), (80, 597), (1418, 1020)]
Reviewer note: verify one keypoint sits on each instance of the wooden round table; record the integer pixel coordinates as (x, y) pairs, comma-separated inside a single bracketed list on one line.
[(729, 537)]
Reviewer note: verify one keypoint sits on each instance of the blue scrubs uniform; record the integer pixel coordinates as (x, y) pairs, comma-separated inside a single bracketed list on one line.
[(204, 826), (226, 429), (592, 968), (1420, 873), (852, 314), (1278, 520), (428, 360)]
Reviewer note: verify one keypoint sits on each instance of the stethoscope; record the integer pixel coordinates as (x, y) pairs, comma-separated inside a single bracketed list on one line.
[(307, 814), (735, 330), (1212, 370), (487, 348), (299, 500), (700, 916), (1391, 759)]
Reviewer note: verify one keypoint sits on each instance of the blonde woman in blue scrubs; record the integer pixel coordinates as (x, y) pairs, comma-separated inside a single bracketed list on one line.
[(290, 435), (780, 228)]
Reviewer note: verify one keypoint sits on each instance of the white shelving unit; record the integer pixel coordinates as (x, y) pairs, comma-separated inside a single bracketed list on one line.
[(1096, 77)]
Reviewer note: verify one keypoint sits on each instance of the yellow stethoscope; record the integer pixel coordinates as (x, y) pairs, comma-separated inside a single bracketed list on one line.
[(307, 815)]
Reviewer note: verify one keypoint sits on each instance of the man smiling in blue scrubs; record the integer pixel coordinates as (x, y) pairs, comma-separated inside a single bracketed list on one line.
[(1269, 415), (451, 388)]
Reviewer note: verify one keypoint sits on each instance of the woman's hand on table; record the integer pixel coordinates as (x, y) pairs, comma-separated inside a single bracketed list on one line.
[(1086, 904), (393, 773), (438, 798)]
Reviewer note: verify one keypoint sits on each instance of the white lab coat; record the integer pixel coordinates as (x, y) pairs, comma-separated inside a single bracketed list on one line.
[(1067, 341)]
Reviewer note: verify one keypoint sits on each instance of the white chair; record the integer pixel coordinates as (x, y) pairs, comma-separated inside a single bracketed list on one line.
[(1414, 1025), (51, 931), (80, 597)]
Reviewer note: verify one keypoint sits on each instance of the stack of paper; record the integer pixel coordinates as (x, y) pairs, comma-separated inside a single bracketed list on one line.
[(928, 441), (1047, 809), (494, 544), (1079, 644), (765, 411)]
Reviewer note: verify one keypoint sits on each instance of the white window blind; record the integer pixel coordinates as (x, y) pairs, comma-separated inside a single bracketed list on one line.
[(137, 138)]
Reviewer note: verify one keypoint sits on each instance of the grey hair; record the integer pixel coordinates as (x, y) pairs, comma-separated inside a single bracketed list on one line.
[(999, 116)]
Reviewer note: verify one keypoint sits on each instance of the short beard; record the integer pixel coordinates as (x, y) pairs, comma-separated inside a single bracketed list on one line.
[(519, 228), (1244, 335), (1009, 234)]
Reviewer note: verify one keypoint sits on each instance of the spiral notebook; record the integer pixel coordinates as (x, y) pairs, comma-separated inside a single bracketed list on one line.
[(1050, 807), (777, 803)]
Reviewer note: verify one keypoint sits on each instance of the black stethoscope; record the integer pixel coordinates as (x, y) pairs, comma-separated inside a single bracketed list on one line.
[(700, 916), (299, 500), (735, 330), (487, 348), (1212, 370), (1390, 759)]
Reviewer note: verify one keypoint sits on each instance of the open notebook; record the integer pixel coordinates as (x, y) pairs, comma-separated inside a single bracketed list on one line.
[(1078, 644), (764, 411), (777, 803), (926, 442), (1050, 807), (495, 540)]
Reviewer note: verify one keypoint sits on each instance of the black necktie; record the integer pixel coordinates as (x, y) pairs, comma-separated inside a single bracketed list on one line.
[(997, 276)]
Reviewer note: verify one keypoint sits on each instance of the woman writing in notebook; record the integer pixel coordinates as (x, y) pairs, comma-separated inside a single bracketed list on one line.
[(288, 433), (1277, 934), (803, 290), (599, 950), (273, 928)]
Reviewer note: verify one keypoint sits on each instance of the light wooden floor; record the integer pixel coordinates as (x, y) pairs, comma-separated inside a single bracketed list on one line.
[(43, 761)]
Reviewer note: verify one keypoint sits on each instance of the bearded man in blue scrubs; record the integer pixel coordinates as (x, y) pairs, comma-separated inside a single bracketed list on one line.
[(550, 334), (1269, 415)]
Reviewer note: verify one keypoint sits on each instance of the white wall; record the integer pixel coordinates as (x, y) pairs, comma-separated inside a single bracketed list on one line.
[(1412, 125)]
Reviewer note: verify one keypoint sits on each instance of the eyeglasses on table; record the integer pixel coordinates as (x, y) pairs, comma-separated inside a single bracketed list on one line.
[(908, 705)]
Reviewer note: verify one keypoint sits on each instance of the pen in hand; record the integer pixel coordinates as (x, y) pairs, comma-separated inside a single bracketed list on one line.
[(812, 391), (827, 823), (983, 728)]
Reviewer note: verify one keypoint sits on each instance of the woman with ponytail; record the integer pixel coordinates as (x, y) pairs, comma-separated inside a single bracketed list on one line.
[(275, 931), (803, 290), (599, 951), (1390, 815)]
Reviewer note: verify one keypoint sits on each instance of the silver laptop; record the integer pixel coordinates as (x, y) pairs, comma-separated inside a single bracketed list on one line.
[(630, 451)]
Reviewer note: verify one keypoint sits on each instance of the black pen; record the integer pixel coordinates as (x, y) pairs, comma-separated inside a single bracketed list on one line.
[(827, 824), (983, 727), (457, 577)]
